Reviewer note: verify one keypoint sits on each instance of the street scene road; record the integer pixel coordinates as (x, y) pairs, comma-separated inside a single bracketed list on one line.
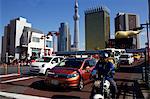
[(128, 78), (75, 49)]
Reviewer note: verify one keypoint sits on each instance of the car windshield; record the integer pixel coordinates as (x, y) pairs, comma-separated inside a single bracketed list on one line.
[(124, 56), (73, 63), (45, 59)]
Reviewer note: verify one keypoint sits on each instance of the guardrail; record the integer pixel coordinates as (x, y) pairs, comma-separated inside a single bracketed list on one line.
[(9, 69)]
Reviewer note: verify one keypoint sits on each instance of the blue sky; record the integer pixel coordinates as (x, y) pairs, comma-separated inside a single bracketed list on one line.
[(46, 15)]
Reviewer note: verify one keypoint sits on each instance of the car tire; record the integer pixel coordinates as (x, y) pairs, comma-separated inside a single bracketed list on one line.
[(81, 84)]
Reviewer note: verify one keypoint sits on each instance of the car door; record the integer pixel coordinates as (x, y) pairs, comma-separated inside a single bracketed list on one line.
[(86, 70), (92, 64)]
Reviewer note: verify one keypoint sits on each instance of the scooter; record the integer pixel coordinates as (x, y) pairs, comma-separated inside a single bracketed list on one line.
[(100, 88)]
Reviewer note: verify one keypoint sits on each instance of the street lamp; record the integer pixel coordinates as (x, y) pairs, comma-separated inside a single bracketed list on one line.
[(44, 37), (53, 34), (149, 28), (147, 65)]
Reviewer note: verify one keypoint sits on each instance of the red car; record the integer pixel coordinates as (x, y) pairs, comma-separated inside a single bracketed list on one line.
[(71, 72)]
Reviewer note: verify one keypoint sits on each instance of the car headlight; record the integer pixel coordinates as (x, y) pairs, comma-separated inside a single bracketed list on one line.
[(72, 75), (43, 65)]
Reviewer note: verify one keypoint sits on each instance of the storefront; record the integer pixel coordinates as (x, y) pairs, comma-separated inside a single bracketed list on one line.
[(36, 53)]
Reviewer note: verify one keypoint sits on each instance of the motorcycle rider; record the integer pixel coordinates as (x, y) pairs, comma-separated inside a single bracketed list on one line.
[(107, 68)]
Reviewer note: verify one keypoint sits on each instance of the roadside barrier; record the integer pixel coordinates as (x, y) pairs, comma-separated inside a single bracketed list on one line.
[(5, 69), (143, 73), (18, 68)]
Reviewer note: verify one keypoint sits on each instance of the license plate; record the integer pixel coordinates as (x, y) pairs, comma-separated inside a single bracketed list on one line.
[(54, 82)]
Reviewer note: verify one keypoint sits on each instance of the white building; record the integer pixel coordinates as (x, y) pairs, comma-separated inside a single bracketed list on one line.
[(33, 42), (11, 38), (20, 41)]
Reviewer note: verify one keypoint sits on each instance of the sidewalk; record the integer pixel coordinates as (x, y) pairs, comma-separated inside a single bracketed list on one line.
[(143, 87), (130, 83)]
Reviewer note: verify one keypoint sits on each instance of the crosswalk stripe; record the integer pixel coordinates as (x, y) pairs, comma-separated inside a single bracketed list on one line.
[(20, 96), (18, 79), (9, 75)]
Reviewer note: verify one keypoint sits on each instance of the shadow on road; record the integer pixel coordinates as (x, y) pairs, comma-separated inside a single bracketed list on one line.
[(64, 97), (40, 85), (134, 90), (131, 87), (131, 69)]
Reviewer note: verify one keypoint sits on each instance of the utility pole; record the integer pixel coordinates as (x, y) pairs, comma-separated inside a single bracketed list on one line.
[(149, 10), (148, 41)]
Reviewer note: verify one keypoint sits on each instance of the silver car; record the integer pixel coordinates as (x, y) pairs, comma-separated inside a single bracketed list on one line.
[(44, 64)]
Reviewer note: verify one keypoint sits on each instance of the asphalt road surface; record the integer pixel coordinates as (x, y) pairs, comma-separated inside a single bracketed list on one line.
[(32, 86)]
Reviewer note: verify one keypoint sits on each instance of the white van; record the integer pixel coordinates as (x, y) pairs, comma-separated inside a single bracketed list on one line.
[(126, 58), (42, 65)]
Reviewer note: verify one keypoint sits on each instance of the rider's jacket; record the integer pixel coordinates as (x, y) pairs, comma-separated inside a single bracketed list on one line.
[(105, 68)]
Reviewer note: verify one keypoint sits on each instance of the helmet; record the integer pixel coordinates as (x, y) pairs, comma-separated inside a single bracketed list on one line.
[(104, 55)]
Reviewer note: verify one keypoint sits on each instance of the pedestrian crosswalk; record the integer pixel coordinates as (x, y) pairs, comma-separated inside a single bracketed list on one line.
[(13, 78), (20, 96), (9, 75)]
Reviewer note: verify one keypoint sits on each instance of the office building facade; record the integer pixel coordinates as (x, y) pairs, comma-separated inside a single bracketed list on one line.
[(64, 38), (33, 44), (97, 28), (127, 22), (11, 38), (20, 41)]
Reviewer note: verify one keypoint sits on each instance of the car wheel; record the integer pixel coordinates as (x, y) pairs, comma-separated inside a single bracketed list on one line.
[(81, 84)]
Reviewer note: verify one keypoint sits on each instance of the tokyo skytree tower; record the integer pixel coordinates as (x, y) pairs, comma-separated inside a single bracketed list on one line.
[(76, 26)]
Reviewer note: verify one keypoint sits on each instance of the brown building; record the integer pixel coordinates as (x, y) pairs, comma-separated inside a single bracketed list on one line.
[(111, 43), (125, 22), (97, 28)]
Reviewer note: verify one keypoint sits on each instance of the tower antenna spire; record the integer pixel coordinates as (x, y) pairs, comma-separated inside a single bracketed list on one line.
[(76, 26)]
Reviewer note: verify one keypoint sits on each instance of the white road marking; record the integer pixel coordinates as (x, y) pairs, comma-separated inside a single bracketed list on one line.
[(18, 79), (20, 96), (8, 75)]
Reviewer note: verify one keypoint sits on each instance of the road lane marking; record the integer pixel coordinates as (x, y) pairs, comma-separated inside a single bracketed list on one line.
[(20, 96), (18, 79), (9, 75)]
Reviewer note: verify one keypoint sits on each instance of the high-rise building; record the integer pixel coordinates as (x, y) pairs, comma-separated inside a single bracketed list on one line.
[(125, 22), (64, 38), (76, 26), (97, 28), (12, 35)]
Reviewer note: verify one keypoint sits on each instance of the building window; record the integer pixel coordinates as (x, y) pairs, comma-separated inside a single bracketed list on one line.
[(36, 53), (35, 39), (48, 43)]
